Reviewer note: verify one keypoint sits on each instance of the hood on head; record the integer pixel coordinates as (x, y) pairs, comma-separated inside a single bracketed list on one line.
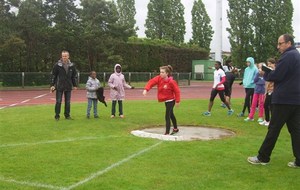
[(251, 61), (117, 65)]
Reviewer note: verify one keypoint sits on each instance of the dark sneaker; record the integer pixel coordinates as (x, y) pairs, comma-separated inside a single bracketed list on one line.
[(241, 114), (56, 118), (69, 118), (207, 113), (293, 165), (166, 134), (174, 131), (96, 116), (88, 117), (254, 160)]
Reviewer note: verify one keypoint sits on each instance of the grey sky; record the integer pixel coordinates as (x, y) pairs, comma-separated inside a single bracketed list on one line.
[(210, 5)]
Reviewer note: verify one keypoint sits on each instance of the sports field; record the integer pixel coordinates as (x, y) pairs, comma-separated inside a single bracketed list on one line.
[(36, 152)]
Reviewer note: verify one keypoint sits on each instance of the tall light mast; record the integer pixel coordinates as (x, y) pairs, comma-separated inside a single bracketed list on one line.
[(218, 32)]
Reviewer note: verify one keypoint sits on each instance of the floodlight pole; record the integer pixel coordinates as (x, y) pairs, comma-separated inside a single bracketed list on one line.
[(218, 32)]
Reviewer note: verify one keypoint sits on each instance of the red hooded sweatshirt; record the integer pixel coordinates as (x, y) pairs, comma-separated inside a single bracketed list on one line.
[(167, 89)]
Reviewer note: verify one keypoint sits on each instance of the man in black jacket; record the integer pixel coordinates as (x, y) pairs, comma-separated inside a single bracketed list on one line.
[(285, 102), (64, 79)]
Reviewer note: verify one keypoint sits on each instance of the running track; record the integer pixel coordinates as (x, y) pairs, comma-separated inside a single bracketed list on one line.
[(12, 98)]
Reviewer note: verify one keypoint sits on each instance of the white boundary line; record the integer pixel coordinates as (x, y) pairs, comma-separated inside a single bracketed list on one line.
[(32, 184), (101, 172), (56, 141)]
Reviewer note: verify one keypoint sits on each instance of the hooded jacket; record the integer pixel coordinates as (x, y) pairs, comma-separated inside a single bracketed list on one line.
[(249, 74), (259, 84), (286, 78), (117, 84), (91, 87), (167, 89), (64, 80)]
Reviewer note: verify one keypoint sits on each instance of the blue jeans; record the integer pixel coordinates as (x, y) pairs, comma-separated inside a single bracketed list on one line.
[(95, 103), (59, 95)]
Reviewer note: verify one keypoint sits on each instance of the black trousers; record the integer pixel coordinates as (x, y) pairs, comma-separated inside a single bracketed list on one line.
[(113, 107), (282, 114), (59, 95), (169, 115), (248, 99), (268, 106)]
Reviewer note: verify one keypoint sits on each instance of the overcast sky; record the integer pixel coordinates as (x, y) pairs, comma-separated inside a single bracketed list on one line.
[(210, 5)]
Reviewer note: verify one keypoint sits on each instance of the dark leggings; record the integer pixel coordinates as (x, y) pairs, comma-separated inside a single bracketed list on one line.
[(214, 93), (248, 99), (268, 106), (170, 116), (113, 107)]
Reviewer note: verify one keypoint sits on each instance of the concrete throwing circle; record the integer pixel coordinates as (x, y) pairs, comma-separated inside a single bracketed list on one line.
[(186, 133)]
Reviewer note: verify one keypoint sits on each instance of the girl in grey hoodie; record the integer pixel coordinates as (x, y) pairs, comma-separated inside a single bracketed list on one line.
[(91, 87)]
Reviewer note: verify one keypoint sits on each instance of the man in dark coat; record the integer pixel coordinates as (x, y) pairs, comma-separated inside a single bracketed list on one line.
[(64, 79)]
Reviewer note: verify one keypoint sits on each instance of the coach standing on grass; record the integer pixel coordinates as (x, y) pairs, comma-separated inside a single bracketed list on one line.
[(285, 102), (64, 79)]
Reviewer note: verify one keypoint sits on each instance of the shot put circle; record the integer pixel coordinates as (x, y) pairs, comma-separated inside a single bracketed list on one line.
[(186, 133)]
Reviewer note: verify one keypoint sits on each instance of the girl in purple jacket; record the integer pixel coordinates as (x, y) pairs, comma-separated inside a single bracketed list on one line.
[(117, 84)]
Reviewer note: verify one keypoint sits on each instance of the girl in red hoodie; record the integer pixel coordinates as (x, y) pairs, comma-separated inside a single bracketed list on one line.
[(168, 92)]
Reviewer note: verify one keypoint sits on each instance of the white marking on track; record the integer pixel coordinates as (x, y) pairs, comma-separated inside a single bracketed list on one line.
[(25, 101), (12, 105), (101, 172), (39, 96), (32, 184)]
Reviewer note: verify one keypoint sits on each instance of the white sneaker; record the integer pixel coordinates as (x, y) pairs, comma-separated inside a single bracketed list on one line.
[(262, 123), (267, 123), (254, 160), (293, 165)]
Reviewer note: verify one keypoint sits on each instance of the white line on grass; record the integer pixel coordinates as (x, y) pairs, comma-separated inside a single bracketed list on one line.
[(56, 141), (32, 184), (3, 107), (101, 172)]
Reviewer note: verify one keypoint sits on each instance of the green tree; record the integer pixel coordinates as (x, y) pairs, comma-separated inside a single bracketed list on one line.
[(11, 46), (240, 31), (176, 27), (101, 33), (127, 12), (202, 30), (277, 20), (165, 20), (32, 27), (64, 30)]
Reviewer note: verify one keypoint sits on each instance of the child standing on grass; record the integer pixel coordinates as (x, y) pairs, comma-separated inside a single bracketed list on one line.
[(218, 88), (258, 96), (248, 84), (269, 91), (168, 92), (91, 87), (117, 84)]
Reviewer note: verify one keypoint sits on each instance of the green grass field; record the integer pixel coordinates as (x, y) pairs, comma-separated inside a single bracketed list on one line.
[(36, 152)]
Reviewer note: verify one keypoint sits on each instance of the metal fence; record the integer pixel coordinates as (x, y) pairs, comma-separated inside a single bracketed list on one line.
[(24, 79)]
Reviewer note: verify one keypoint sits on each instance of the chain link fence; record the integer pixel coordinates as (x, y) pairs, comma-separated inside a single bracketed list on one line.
[(31, 79)]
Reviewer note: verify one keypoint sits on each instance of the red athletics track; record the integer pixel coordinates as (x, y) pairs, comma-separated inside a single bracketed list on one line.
[(197, 90)]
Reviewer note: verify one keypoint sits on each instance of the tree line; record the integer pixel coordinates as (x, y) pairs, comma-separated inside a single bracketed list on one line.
[(100, 33)]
